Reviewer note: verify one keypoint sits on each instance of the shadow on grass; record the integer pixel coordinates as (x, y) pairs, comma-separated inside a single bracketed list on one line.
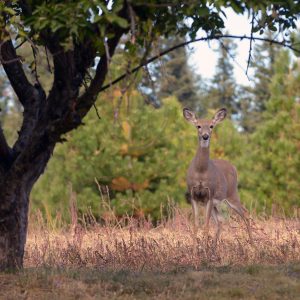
[(226, 282)]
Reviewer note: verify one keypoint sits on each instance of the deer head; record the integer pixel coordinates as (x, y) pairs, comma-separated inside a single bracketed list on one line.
[(204, 127)]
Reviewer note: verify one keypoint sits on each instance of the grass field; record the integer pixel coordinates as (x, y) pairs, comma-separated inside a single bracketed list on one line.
[(131, 259), (227, 282)]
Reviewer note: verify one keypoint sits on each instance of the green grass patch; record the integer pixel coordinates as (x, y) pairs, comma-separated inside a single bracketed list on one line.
[(249, 282)]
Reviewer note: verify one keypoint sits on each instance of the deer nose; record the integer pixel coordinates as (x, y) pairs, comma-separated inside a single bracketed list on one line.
[(205, 136)]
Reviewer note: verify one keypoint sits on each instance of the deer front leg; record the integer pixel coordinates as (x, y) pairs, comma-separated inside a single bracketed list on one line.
[(195, 208), (209, 207)]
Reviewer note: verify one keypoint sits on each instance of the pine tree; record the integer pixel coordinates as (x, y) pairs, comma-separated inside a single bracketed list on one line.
[(136, 170), (223, 92), (141, 158), (173, 76), (254, 98), (273, 160)]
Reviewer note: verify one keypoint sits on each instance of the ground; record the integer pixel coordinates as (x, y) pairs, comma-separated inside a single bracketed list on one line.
[(131, 259), (227, 282)]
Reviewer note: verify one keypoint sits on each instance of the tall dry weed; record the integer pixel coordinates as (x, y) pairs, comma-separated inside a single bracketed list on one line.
[(135, 244)]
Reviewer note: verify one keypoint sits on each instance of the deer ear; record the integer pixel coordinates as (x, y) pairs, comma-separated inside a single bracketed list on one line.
[(189, 115), (220, 115)]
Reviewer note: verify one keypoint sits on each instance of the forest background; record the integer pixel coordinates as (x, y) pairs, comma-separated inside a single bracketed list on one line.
[(131, 156)]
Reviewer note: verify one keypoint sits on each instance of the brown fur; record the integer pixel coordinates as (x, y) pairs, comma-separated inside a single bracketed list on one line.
[(210, 182)]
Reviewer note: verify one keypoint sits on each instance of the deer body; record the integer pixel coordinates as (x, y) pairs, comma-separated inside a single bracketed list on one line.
[(210, 182), (219, 177)]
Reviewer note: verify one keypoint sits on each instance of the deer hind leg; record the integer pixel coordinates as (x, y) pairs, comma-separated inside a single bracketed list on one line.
[(218, 220), (235, 204)]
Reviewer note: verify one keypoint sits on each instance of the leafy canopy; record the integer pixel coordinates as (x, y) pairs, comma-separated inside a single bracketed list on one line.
[(77, 33), (74, 21)]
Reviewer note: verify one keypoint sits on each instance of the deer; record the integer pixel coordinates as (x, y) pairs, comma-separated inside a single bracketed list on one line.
[(212, 181)]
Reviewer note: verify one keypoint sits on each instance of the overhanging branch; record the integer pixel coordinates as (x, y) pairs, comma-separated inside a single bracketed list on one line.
[(15, 73), (85, 101), (29, 96), (204, 39)]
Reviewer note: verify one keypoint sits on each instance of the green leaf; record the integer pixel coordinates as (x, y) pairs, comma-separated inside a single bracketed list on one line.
[(272, 27), (9, 10), (117, 20)]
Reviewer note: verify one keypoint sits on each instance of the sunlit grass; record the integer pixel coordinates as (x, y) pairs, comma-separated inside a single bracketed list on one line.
[(135, 245), (132, 259)]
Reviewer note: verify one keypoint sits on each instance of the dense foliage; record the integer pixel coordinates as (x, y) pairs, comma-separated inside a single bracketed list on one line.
[(141, 168), (273, 161), (253, 98), (135, 162)]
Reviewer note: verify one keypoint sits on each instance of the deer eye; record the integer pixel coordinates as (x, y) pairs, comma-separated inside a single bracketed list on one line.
[(211, 126), (198, 126)]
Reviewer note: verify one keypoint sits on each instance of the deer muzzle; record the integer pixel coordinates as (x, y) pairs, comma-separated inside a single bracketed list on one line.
[(204, 140), (205, 136)]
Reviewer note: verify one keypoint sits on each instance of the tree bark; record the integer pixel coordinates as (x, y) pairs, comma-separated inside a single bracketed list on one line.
[(13, 230), (15, 189)]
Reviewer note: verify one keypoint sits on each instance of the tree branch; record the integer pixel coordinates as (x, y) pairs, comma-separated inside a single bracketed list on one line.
[(250, 46), (5, 151), (234, 60), (85, 101), (204, 39), (31, 97), (15, 73)]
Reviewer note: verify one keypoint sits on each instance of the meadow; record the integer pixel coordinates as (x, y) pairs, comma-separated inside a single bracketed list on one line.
[(129, 258)]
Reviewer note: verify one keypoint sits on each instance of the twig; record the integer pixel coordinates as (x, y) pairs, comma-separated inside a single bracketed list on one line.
[(216, 37), (6, 62), (234, 60), (85, 84), (87, 73), (35, 64), (48, 62), (250, 46), (108, 59), (21, 44), (167, 4), (132, 22), (97, 112), (128, 73), (123, 91), (95, 107)]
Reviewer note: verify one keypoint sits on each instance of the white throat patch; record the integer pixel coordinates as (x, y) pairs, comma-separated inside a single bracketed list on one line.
[(204, 143)]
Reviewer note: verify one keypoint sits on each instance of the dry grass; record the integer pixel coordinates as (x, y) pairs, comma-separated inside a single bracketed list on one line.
[(139, 246), (130, 259)]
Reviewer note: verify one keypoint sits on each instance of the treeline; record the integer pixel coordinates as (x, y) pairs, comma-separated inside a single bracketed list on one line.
[(133, 152)]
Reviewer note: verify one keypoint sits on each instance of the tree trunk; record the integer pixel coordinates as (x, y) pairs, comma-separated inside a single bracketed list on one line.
[(15, 189), (45, 120), (13, 229)]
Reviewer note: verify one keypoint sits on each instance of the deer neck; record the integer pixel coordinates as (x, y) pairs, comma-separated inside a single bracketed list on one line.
[(202, 158)]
